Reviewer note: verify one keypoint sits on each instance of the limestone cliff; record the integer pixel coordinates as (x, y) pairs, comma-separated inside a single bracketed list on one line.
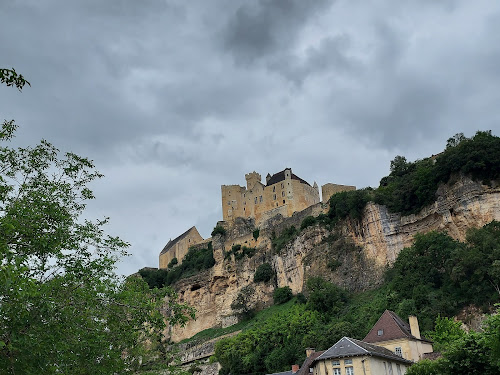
[(353, 256), (465, 204)]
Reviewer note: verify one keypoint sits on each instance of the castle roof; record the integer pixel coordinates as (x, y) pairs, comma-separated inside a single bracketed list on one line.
[(280, 176), (390, 327), (347, 347), (175, 240)]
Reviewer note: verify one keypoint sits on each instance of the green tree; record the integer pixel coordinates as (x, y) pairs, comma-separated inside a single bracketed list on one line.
[(63, 309), (282, 295), (324, 296), (446, 331)]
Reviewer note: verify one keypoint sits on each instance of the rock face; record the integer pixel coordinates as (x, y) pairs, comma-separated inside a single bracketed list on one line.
[(466, 204), (353, 257)]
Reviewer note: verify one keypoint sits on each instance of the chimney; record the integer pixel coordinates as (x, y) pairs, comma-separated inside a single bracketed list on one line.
[(268, 177), (295, 368), (309, 351), (414, 330)]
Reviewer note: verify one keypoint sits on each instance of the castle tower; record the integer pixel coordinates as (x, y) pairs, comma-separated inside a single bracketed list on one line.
[(252, 178)]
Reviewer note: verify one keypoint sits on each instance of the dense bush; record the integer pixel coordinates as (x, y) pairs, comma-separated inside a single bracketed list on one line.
[(471, 353), (256, 233), (349, 204), (196, 260), (270, 346), (240, 252), (263, 273), (173, 262), (282, 295), (412, 186), (438, 275), (324, 296), (219, 230)]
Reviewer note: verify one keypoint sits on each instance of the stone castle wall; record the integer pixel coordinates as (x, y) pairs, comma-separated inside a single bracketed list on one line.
[(261, 202), (327, 190)]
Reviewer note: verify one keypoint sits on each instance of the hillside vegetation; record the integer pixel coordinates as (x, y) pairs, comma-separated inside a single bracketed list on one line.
[(437, 276)]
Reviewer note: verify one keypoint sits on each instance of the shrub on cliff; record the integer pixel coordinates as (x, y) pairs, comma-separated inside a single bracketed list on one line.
[(196, 260), (264, 273), (219, 230)]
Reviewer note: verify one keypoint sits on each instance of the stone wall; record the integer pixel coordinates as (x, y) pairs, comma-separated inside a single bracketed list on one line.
[(327, 190)]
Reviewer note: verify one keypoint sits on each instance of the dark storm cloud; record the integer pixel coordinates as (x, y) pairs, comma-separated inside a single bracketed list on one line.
[(266, 27), (331, 56), (174, 98)]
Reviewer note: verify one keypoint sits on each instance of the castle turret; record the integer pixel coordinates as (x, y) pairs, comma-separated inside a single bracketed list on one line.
[(252, 178)]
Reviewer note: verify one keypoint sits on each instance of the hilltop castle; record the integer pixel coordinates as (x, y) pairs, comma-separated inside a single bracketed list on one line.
[(284, 193)]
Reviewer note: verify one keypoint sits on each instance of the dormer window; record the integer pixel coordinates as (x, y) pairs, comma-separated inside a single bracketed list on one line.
[(398, 351)]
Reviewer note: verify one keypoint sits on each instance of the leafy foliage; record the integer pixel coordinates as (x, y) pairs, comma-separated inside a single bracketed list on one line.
[(195, 261), (412, 186), (324, 296), (173, 262), (219, 230), (256, 233), (471, 353), (240, 252), (438, 275), (263, 273), (242, 303), (11, 78), (282, 295), (63, 309), (349, 204), (270, 346), (446, 332)]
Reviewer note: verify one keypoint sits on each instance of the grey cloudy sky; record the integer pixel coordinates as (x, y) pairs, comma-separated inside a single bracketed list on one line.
[(171, 99)]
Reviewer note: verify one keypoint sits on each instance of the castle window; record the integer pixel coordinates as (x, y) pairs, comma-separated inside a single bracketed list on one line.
[(274, 189), (349, 371), (255, 200), (348, 362), (260, 199), (274, 196), (283, 201), (282, 185), (282, 193)]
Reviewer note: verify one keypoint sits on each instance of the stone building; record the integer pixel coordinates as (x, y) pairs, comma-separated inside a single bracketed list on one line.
[(393, 333), (284, 193), (179, 246)]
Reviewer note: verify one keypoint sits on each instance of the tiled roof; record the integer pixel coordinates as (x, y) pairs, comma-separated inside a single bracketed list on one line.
[(175, 240), (280, 176), (392, 326), (347, 347)]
